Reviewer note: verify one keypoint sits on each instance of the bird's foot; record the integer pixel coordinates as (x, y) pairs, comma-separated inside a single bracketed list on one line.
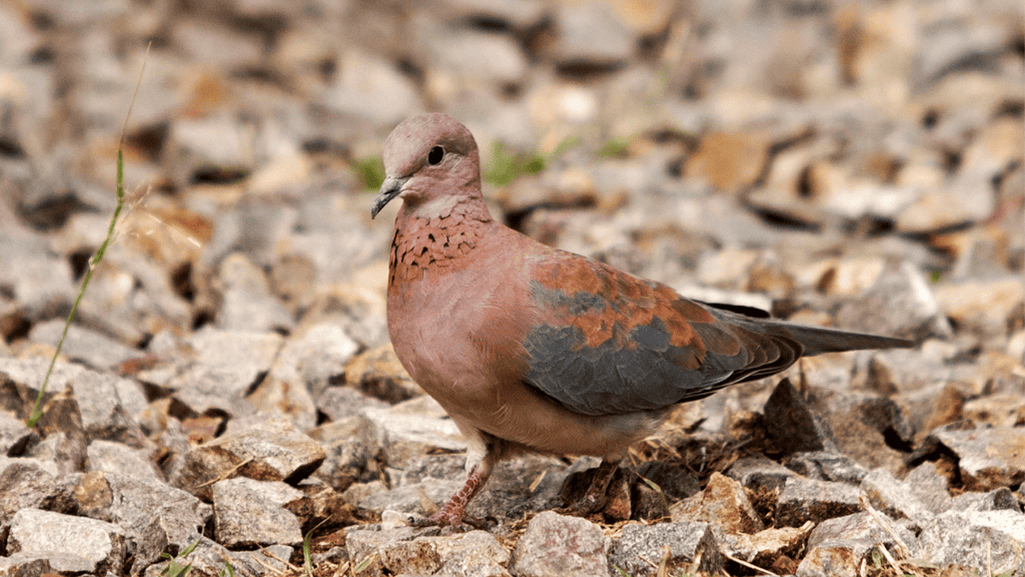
[(453, 512)]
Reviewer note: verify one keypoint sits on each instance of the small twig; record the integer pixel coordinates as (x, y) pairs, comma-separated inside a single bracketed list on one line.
[(537, 481), (889, 558), (748, 565), (224, 475), (902, 548)]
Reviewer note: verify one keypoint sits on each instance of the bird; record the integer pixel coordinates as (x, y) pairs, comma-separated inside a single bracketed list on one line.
[(529, 348)]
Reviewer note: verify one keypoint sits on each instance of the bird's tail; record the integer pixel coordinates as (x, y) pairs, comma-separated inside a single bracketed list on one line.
[(818, 340)]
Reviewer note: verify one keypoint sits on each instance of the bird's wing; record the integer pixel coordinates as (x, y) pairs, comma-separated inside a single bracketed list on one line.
[(606, 342)]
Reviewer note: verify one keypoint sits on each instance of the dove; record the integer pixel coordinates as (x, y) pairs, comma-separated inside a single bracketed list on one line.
[(533, 349)]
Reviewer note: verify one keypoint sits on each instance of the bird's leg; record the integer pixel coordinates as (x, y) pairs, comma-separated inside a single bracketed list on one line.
[(597, 493), (453, 511)]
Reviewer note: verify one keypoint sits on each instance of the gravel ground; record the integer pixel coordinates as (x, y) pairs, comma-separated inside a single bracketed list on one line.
[(227, 392)]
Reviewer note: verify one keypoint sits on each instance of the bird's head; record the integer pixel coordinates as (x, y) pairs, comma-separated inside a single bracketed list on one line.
[(429, 159)]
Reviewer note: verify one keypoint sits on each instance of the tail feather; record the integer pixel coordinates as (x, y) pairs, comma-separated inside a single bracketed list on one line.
[(818, 340)]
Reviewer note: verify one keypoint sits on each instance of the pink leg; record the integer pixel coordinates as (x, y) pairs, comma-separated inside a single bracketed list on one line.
[(453, 511)]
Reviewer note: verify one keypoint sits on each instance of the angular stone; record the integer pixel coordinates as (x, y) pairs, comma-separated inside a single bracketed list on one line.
[(82, 344), (954, 537), (32, 484), (892, 497), (476, 553), (44, 564), (691, 547), (591, 34), (759, 473), (272, 451), (810, 500), (304, 353), (793, 423), (340, 403), (723, 504), (995, 500), (901, 303), (378, 373), (247, 302), (352, 447), (824, 466), (14, 435), (930, 487), (363, 547), (554, 544), (250, 513), (153, 515), (988, 458), (414, 427), (765, 547), (117, 458), (420, 498), (207, 559), (104, 414), (101, 544)]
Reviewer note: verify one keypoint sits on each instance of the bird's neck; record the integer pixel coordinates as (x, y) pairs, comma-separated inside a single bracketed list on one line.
[(439, 236)]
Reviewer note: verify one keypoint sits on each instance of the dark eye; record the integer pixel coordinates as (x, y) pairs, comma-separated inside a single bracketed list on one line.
[(435, 155)]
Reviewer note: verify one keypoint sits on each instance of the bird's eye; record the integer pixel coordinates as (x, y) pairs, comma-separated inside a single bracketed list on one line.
[(435, 155)]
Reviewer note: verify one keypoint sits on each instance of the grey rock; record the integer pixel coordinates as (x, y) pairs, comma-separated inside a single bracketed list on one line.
[(250, 513), (272, 557), (929, 487), (101, 544), (956, 537), (759, 473), (118, 458), (592, 34), (14, 435), (691, 548), (837, 546), (225, 365), (208, 558), (899, 304), (414, 427), (40, 282), (153, 515), (764, 547), (372, 89), (723, 504), (321, 344), (995, 500), (273, 451), (363, 546), (351, 448), (892, 497), (810, 500), (247, 302), (82, 344), (988, 457), (418, 498), (20, 380), (554, 544), (340, 403), (471, 554), (44, 563), (458, 52), (826, 467), (103, 414), (32, 484), (793, 423)]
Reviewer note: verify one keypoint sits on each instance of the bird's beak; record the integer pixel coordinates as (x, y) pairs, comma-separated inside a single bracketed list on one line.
[(390, 188)]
